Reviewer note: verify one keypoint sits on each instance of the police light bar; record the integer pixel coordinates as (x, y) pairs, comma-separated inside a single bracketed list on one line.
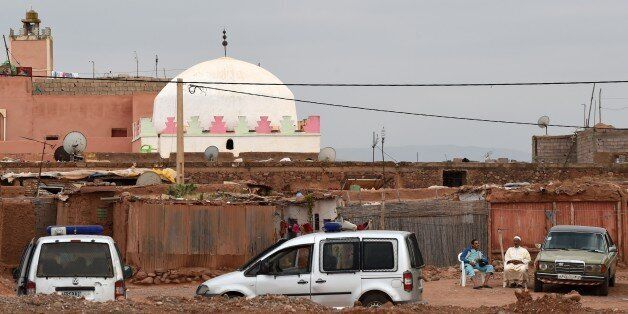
[(64, 230)]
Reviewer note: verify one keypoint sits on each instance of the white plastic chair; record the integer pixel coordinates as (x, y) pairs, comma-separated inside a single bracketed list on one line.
[(463, 274)]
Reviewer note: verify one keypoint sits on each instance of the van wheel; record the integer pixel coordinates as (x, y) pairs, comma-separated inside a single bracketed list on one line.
[(374, 299), (603, 288), (538, 285), (231, 295)]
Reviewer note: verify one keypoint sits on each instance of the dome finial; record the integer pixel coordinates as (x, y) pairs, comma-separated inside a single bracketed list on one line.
[(224, 40)]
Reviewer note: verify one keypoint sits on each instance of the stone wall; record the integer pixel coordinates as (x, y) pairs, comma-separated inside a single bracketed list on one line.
[(594, 145), (66, 86)]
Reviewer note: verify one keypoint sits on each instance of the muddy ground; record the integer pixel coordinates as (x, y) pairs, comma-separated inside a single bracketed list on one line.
[(442, 295)]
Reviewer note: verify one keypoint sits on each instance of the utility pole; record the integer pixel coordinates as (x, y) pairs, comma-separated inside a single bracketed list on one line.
[(180, 147), (374, 144), (599, 103), (93, 69), (156, 64), (382, 216), (137, 65), (584, 107), (591, 105)]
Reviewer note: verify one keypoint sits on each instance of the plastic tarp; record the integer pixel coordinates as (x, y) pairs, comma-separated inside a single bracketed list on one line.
[(166, 174)]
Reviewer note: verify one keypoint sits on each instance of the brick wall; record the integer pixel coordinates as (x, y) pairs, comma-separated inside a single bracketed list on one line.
[(555, 149), (66, 86)]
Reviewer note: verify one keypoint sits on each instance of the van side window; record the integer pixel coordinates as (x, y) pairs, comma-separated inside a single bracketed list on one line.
[(291, 261), (416, 259), (341, 256), (378, 254)]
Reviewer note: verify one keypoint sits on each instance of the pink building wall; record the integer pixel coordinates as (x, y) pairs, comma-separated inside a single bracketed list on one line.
[(33, 53), (95, 116)]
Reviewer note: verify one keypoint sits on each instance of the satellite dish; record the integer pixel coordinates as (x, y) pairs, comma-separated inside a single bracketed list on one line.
[(543, 122), (148, 178), (211, 153), (327, 154), (74, 144), (62, 155)]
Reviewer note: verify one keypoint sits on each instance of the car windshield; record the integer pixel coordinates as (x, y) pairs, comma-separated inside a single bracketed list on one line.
[(262, 253), (75, 259), (575, 241)]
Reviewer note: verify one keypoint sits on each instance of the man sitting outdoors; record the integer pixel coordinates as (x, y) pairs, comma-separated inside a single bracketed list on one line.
[(475, 260), (517, 260)]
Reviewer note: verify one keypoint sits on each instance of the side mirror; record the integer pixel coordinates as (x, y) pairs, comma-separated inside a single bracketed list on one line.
[(264, 268), (16, 273), (612, 249), (127, 271), (538, 245)]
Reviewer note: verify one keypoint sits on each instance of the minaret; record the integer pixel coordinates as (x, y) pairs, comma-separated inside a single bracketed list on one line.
[(32, 46)]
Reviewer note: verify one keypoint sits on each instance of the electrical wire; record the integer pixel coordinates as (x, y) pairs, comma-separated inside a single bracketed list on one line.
[(193, 88)]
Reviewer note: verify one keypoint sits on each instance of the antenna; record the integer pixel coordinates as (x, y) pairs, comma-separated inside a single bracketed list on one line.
[(41, 163), (7, 49), (75, 144), (327, 154), (211, 153), (599, 103), (137, 65), (543, 122), (93, 69), (590, 105), (148, 178), (375, 141), (156, 64)]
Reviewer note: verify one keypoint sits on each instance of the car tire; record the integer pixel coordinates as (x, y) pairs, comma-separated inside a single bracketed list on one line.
[(538, 285), (374, 299), (611, 283), (603, 288), (231, 295)]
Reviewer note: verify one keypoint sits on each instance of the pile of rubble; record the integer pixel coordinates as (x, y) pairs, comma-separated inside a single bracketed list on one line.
[(174, 276), (551, 302)]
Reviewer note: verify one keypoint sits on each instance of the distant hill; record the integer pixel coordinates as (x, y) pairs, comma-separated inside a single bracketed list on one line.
[(431, 153)]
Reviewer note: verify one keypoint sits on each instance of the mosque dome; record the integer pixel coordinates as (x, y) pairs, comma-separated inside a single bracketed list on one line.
[(209, 103)]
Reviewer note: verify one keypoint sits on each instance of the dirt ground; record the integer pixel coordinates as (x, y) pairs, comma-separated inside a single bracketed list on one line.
[(443, 295)]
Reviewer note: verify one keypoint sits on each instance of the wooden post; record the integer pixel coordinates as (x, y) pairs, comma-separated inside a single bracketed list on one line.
[(180, 147), (572, 219), (501, 250), (619, 242)]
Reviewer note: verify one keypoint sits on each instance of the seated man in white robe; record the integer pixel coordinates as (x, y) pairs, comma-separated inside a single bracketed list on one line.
[(517, 260)]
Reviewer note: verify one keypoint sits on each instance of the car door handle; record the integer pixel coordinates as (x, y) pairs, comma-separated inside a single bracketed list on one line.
[(321, 281), (301, 282)]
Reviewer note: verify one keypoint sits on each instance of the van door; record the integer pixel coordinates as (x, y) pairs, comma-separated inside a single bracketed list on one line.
[(22, 271), (75, 268), (289, 272), (336, 276)]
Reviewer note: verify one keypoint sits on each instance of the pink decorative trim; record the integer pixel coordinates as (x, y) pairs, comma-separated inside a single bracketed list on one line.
[(171, 126), (218, 126), (312, 124), (263, 126)]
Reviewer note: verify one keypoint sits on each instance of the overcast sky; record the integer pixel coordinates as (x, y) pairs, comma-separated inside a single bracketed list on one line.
[(372, 42)]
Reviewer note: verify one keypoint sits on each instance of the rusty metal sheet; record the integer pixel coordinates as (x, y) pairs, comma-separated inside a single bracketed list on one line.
[(180, 235)]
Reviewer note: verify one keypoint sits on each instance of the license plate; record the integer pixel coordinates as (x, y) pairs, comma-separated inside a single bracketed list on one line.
[(569, 277), (77, 294)]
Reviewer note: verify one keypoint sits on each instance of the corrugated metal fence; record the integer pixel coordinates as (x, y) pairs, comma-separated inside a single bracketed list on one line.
[(443, 227), (171, 236)]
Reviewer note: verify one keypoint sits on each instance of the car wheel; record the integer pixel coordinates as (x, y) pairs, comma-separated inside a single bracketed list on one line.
[(611, 282), (231, 295), (538, 285), (374, 299), (603, 288)]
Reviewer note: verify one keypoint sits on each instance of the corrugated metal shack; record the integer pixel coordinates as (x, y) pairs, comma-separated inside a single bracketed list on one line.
[(443, 227)]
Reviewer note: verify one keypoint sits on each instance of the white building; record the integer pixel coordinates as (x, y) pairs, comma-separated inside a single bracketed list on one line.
[(230, 121)]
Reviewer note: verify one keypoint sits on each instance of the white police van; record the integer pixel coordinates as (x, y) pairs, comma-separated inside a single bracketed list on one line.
[(333, 269), (74, 261)]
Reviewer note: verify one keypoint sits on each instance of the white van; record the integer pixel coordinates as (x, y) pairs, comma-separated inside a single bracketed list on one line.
[(79, 265), (333, 269)]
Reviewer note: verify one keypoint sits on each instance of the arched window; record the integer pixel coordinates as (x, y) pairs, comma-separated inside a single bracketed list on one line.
[(229, 144)]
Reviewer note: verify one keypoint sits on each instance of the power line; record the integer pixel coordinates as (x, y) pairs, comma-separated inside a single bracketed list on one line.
[(193, 88)]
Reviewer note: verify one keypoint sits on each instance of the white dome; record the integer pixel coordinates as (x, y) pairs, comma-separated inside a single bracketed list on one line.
[(209, 103)]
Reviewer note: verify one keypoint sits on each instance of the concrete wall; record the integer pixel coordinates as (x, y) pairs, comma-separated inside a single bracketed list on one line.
[(33, 53), (296, 143), (68, 108), (555, 149)]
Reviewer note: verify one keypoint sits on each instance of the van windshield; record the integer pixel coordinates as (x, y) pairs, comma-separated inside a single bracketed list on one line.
[(75, 259), (262, 253)]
